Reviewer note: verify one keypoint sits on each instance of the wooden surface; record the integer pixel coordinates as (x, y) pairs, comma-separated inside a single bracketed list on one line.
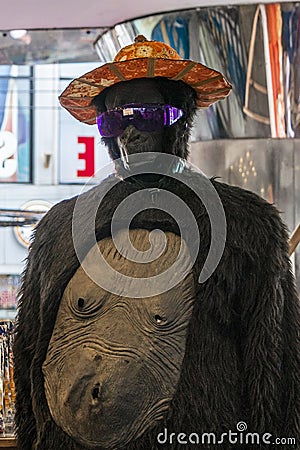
[(8, 443), (295, 239)]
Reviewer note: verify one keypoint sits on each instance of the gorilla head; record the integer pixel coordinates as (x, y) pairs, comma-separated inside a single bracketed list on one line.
[(173, 139)]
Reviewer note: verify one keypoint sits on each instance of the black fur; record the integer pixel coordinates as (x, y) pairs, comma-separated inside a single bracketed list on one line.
[(242, 354)]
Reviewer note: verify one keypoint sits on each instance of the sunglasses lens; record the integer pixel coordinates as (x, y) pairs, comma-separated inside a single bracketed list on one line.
[(110, 124), (149, 119), (146, 118)]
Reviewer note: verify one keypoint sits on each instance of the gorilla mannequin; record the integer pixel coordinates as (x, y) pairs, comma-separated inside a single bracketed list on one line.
[(96, 370)]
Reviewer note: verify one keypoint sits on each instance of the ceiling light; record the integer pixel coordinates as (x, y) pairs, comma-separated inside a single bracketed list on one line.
[(17, 34)]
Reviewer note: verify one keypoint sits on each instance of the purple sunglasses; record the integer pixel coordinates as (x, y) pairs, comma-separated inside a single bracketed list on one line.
[(150, 117)]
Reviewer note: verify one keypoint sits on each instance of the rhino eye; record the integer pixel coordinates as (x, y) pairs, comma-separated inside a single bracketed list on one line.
[(81, 303)]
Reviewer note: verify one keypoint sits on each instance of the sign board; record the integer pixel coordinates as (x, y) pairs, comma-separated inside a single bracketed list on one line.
[(9, 286)]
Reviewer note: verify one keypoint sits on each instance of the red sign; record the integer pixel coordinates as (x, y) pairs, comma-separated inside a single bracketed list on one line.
[(88, 156)]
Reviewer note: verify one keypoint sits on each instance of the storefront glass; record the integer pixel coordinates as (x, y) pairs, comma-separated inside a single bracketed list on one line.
[(15, 124)]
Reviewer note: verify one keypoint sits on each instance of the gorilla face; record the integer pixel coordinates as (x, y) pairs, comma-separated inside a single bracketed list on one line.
[(113, 362), (137, 91)]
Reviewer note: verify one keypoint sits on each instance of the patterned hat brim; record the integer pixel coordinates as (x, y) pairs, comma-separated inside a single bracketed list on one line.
[(210, 85)]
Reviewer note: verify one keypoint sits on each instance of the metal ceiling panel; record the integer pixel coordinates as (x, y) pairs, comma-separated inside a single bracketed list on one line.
[(37, 14)]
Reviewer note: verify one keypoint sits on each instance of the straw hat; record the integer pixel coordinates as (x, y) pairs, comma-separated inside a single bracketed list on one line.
[(143, 59)]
